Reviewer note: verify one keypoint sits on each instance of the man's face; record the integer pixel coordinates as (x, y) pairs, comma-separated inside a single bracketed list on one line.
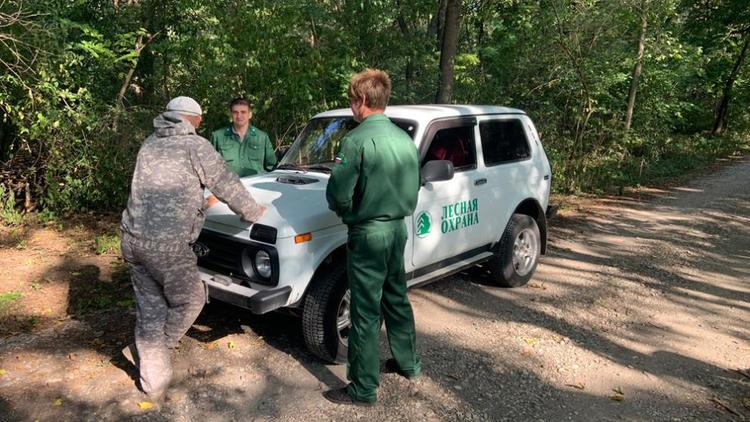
[(241, 115), (194, 120)]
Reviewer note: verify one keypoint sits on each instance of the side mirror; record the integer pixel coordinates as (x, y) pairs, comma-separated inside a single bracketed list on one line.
[(436, 171)]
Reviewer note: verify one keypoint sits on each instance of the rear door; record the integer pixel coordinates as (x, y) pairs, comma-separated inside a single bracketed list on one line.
[(508, 167)]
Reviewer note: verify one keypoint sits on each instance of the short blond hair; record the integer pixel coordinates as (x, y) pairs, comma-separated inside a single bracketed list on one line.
[(374, 85)]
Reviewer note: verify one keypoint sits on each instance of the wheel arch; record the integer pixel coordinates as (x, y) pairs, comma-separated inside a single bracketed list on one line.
[(531, 207), (335, 257)]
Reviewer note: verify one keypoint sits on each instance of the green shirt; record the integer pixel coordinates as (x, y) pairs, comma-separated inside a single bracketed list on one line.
[(376, 175), (252, 155)]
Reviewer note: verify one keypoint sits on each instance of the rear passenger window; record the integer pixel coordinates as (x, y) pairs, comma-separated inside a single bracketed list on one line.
[(455, 145), (503, 141)]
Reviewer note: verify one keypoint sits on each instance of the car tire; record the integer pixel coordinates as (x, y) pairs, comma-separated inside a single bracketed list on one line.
[(323, 316), (517, 253)]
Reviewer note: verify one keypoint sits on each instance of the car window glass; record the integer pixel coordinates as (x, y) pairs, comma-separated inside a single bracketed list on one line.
[(454, 144), (503, 141)]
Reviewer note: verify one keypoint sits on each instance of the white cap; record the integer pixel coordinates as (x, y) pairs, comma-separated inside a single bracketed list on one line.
[(185, 105)]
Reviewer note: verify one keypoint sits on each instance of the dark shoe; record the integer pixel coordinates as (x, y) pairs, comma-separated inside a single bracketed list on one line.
[(340, 396), (131, 354), (391, 367)]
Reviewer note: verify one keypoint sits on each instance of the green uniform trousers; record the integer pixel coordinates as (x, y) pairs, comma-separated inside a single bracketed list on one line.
[(375, 269)]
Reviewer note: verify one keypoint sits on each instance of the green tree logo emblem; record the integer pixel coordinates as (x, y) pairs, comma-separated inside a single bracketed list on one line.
[(424, 223)]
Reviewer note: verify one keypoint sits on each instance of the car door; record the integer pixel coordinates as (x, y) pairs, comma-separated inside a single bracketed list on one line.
[(506, 159), (446, 222)]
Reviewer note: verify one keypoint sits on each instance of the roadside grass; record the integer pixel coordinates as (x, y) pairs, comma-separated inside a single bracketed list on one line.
[(8, 298), (107, 244), (9, 215), (90, 294), (639, 161)]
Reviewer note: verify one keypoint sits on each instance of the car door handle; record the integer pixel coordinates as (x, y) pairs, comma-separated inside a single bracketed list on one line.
[(480, 182), (546, 177)]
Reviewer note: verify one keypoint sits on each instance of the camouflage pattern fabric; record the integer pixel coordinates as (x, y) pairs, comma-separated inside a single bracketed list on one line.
[(164, 215)]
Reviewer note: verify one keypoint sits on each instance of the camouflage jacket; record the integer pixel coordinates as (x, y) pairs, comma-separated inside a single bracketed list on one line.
[(166, 196)]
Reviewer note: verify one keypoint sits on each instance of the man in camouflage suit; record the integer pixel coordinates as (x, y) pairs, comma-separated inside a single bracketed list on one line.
[(163, 217)]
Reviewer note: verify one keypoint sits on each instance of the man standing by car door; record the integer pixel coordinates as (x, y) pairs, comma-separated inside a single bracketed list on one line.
[(163, 217), (373, 186)]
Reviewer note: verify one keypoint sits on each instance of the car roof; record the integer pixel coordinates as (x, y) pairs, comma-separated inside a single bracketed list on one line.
[(430, 111)]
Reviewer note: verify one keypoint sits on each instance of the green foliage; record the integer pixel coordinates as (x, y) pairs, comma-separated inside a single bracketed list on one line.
[(107, 244), (97, 72), (8, 213), (8, 298)]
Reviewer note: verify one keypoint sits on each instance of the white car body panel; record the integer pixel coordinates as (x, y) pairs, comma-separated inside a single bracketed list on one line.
[(299, 209)]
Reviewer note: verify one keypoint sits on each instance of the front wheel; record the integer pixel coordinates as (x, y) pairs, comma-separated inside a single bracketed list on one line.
[(517, 253), (325, 317)]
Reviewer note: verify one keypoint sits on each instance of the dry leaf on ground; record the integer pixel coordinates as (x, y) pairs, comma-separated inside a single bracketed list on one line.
[(579, 386), (145, 405)]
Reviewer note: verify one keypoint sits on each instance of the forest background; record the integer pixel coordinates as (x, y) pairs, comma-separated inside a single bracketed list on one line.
[(623, 92)]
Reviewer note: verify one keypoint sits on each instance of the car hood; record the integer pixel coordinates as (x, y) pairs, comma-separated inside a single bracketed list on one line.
[(296, 204)]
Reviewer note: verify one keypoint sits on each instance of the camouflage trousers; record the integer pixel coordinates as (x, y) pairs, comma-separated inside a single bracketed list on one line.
[(168, 298)]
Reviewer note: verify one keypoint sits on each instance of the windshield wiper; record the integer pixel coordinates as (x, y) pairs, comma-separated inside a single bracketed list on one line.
[(287, 166), (323, 169)]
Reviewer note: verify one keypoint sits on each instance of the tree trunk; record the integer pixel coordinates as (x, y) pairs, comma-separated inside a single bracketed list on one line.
[(722, 111), (129, 75), (448, 51), (406, 33), (437, 23), (636, 73)]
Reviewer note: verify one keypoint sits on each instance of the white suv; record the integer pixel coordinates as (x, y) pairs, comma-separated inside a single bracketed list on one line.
[(484, 195)]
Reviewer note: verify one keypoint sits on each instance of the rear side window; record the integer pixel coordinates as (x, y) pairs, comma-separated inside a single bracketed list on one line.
[(503, 141)]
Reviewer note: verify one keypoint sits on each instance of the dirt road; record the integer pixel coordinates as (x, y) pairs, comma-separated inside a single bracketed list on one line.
[(640, 311)]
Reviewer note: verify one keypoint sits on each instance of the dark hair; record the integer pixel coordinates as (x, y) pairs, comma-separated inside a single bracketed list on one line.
[(240, 101)]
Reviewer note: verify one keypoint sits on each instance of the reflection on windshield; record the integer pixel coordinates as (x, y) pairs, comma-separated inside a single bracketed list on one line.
[(316, 147)]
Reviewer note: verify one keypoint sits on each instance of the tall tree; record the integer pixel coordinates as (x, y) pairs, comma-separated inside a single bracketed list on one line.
[(722, 29), (448, 51), (636, 76), (722, 111)]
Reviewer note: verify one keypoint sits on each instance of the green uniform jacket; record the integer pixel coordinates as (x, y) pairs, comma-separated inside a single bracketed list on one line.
[(376, 175), (252, 155)]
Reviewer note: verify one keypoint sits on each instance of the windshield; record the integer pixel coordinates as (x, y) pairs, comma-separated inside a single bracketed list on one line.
[(316, 147)]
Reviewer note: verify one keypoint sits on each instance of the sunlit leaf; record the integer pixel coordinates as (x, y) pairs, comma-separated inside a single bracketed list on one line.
[(145, 405)]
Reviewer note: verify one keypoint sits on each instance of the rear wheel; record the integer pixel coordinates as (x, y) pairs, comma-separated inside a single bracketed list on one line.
[(517, 253), (325, 317)]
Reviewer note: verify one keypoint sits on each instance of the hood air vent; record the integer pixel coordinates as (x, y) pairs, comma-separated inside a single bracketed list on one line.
[(296, 180)]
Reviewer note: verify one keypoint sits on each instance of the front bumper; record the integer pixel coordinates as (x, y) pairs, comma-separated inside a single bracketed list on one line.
[(226, 289)]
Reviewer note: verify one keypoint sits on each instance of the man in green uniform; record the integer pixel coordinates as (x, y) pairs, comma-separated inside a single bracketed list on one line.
[(246, 149), (373, 186)]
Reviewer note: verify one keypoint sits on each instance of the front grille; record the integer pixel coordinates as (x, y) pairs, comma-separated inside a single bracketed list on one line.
[(225, 256)]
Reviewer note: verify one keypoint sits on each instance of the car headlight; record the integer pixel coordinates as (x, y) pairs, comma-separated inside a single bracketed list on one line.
[(263, 264)]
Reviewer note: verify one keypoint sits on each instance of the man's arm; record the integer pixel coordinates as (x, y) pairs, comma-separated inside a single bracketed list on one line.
[(269, 161), (223, 182), (344, 177)]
